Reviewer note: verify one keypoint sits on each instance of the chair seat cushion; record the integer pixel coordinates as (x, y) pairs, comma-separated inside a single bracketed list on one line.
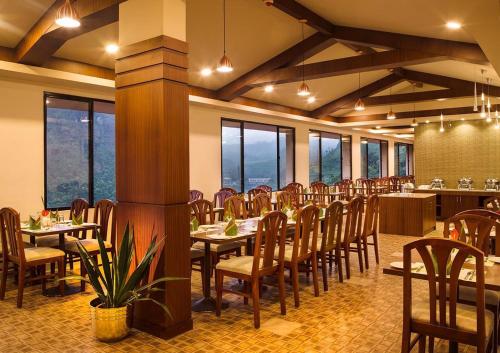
[(41, 253), (240, 264), (469, 294), (197, 254), (217, 248), (90, 245), (466, 316), (52, 241)]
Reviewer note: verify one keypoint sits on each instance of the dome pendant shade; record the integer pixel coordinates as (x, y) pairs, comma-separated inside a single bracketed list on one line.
[(414, 123), (67, 16), (391, 115), (359, 106), (303, 90), (225, 65)]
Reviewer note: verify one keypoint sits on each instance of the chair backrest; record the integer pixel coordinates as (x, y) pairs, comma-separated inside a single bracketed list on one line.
[(319, 187), (306, 232), (10, 234), (195, 195), (78, 207), (492, 203), (231, 190), (370, 224), (443, 268), (345, 187), (394, 184), (353, 221), (221, 196), (237, 206), (266, 188), (332, 232), (271, 231), (251, 195), (260, 202), (203, 210), (284, 198), (105, 217), (367, 186), (296, 189), (476, 229)]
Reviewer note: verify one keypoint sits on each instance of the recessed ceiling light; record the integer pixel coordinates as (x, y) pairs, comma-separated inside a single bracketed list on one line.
[(441, 99), (377, 127), (427, 121), (311, 99), (462, 119), (453, 25), (112, 48), (364, 142), (206, 71), (269, 88)]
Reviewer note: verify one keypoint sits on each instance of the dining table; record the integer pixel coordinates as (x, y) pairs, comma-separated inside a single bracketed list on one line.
[(60, 229)]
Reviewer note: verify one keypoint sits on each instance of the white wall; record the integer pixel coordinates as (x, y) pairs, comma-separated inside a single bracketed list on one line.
[(21, 140)]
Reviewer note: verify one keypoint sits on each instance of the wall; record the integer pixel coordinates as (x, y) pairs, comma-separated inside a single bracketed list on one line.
[(467, 149)]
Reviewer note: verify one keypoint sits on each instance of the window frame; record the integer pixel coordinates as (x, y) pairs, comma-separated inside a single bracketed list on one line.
[(242, 150), (90, 101), (321, 154), (381, 159), (409, 158)]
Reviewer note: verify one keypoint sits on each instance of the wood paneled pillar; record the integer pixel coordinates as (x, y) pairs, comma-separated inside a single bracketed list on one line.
[(152, 162)]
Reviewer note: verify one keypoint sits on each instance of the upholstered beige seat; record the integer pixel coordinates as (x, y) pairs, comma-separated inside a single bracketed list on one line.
[(52, 241), (89, 245), (217, 247), (240, 264), (288, 253), (41, 253), (466, 316), (469, 294), (197, 253)]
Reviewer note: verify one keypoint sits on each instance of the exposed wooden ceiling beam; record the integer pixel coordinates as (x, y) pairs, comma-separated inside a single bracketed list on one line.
[(416, 97), (349, 99), (290, 57), (359, 48), (45, 38), (456, 50), (410, 114), (384, 60)]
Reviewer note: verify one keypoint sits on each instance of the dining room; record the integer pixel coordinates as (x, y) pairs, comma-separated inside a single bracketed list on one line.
[(249, 175)]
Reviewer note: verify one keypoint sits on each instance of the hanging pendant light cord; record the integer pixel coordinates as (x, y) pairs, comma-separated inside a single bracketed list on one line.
[(224, 16), (303, 54)]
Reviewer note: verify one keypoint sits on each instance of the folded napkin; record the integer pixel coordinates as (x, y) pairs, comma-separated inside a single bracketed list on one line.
[(54, 215), (194, 224), (264, 211), (35, 223), (231, 228), (77, 220)]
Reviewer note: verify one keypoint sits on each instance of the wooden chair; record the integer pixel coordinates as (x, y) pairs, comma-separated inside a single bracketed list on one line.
[(394, 184), (251, 269), (352, 233), (367, 187), (237, 205), (477, 230), (219, 198), (492, 203), (25, 258), (251, 195), (284, 198), (231, 190), (195, 195), (495, 233), (105, 217), (298, 190), (329, 244), (440, 315), (370, 227), (204, 213), (346, 187), (266, 188), (304, 248), (321, 192), (260, 202)]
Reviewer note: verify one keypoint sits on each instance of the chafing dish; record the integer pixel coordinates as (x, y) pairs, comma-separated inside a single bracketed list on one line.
[(491, 184), (437, 183), (465, 183)]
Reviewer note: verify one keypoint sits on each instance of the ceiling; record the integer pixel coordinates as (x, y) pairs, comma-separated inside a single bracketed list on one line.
[(255, 33)]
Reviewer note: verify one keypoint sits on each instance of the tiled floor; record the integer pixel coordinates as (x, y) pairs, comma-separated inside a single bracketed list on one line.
[(361, 315)]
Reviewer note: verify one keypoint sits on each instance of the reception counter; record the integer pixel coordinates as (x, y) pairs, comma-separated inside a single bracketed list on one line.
[(407, 213), (451, 201)]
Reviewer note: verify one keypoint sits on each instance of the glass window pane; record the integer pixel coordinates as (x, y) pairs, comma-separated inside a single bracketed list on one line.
[(373, 152), (231, 155), (104, 151), (346, 157), (384, 155), (67, 148), (260, 156), (330, 158), (364, 158), (286, 140), (313, 156)]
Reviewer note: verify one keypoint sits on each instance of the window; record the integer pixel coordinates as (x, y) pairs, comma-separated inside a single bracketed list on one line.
[(374, 163), (255, 154), (403, 159), (329, 157), (79, 150)]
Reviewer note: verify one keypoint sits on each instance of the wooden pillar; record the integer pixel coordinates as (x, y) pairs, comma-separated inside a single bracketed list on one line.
[(152, 151)]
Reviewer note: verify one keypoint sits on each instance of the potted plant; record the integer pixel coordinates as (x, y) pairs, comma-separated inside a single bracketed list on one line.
[(118, 286)]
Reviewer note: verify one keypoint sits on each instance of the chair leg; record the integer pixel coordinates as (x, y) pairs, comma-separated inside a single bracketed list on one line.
[(421, 344), (431, 344), (71, 262), (255, 302), (202, 272), (314, 263), (219, 281), (338, 260), (360, 254), (3, 280), (60, 274), (375, 247), (365, 251), (405, 344), (83, 273), (281, 284), (52, 268), (295, 281), (20, 286), (331, 260), (324, 271), (245, 289), (41, 270), (347, 255)]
